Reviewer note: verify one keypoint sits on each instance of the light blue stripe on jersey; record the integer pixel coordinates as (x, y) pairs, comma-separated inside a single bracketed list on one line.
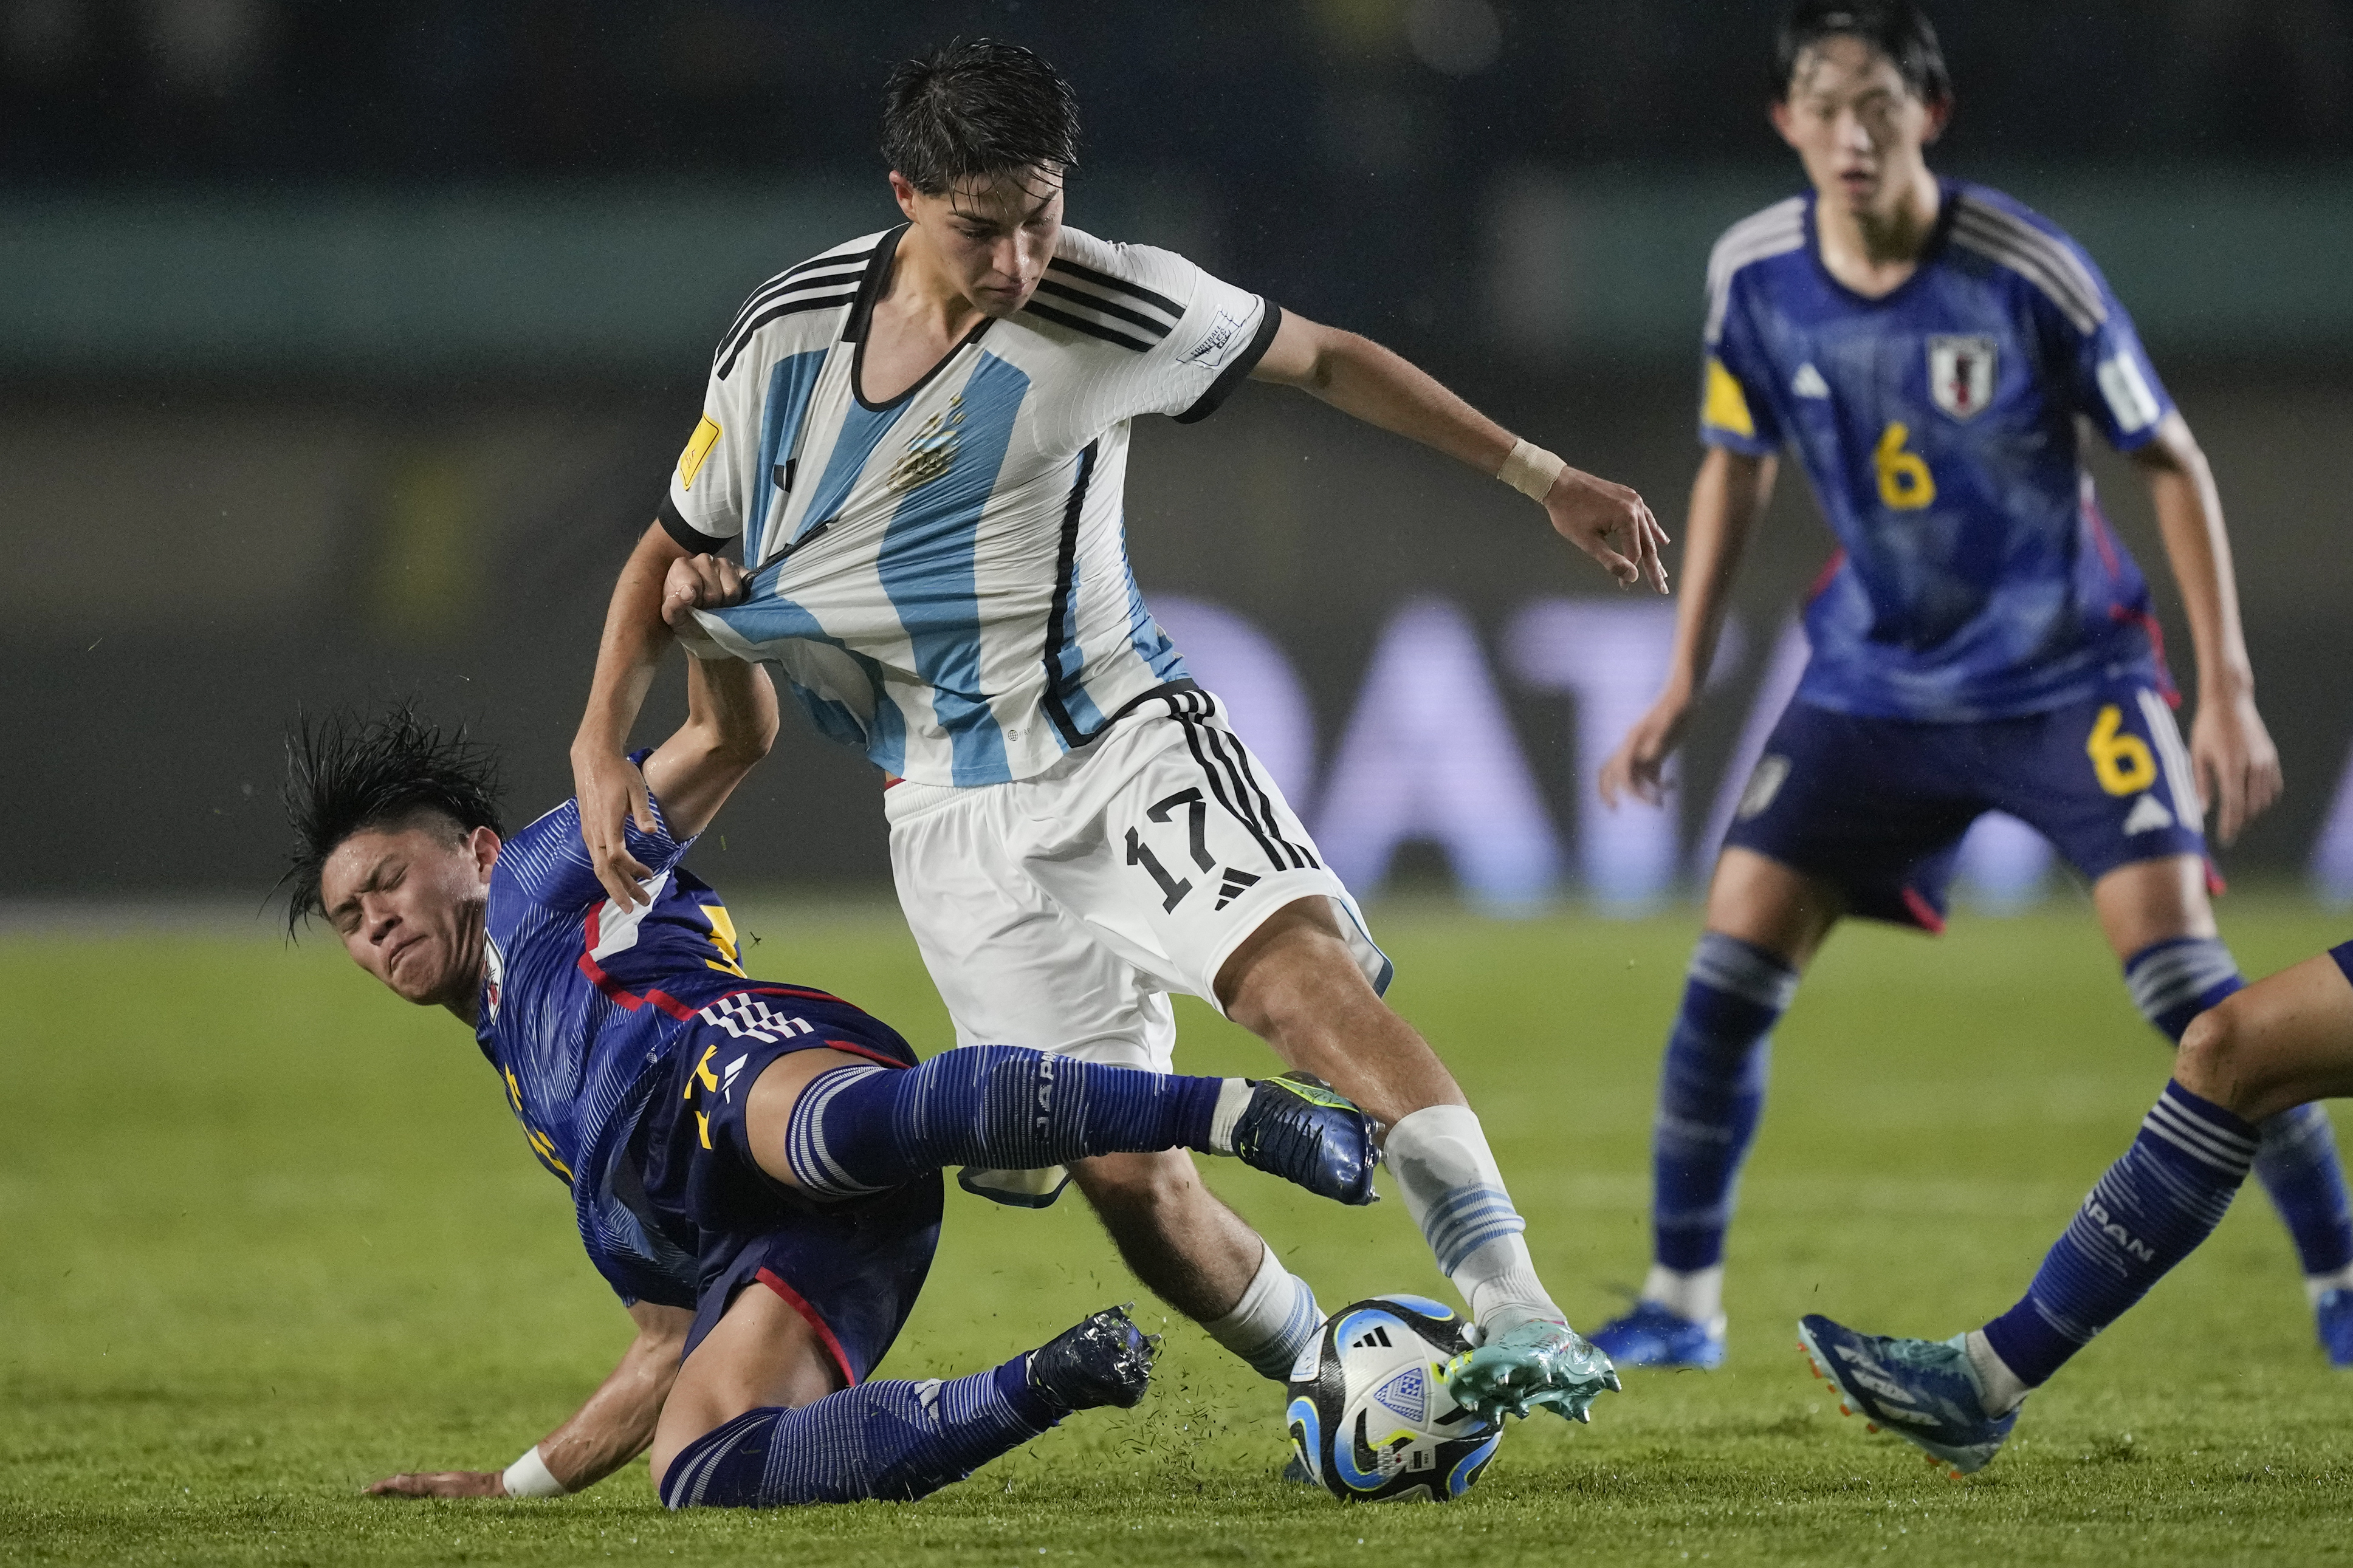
[(862, 429), (763, 620), (928, 568), (790, 385), (1144, 633)]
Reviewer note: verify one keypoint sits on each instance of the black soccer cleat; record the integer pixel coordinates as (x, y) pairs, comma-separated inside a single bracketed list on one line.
[(1103, 1360), (1297, 1127)]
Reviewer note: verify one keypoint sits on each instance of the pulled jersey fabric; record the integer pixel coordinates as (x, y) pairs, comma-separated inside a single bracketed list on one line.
[(595, 1017), (943, 577), (1975, 577)]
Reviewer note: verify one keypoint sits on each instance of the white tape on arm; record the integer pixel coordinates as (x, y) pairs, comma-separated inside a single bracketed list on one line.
[(530, 1477), (1530, 470)]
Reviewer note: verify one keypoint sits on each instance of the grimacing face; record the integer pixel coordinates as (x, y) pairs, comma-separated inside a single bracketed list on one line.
[(993, 236), (407, 900), (1856, 126)]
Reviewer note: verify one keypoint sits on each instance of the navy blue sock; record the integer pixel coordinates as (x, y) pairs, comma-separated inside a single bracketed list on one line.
[(1710, 1092), (2172, 982), (896, 1441), (2298, 1166), (2149, 1211), (864, 1130)]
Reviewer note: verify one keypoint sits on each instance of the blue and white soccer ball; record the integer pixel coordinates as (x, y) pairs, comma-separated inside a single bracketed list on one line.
[(1369, 1414)]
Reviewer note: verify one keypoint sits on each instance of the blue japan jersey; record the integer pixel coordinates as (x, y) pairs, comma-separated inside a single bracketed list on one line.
[(583, 1008), (1975, 577)]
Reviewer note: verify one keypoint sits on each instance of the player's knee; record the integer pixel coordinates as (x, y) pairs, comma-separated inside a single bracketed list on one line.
[(1139, 1192), (2214, 1059)]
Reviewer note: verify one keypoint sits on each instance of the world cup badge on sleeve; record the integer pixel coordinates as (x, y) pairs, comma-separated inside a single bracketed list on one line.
[(1961, 375)]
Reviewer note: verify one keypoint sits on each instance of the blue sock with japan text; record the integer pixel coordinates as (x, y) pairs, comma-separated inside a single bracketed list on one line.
[(864, 1130), (2172, 982), (2147, 1213)]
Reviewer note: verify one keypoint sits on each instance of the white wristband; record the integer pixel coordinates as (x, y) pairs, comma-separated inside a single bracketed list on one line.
[(530, 1477), (1530, 470)]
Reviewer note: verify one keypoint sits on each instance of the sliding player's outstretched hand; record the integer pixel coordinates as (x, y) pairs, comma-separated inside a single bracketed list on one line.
[(442, 1483), (2238, 767), (699, 583), (1610, 524)]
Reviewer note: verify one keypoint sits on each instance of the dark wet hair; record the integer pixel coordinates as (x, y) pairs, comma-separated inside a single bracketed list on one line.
[(977, 107), (1896, 28), (346, 773)]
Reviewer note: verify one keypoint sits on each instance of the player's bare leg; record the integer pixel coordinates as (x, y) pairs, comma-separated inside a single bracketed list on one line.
[(2281, 1042), (1185, 1246), (762, 1353), (1294, 983), (2157, 919)]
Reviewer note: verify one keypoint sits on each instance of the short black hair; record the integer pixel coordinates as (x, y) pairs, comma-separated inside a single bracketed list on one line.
[(346, 773), (1896, 28), (978, 107)]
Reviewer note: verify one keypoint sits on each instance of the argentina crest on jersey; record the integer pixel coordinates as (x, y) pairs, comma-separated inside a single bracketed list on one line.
[(1961, 373)]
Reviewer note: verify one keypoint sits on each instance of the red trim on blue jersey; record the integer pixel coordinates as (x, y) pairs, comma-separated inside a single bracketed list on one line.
[(793, 1299), (1924, 912), (868, 1052), (1829, 570), (812, 994), (2155, 633), (595, 971), (2215, 886)]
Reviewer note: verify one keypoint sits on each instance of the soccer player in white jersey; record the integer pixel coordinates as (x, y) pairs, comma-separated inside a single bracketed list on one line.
[(920, 440), (1932, 351)]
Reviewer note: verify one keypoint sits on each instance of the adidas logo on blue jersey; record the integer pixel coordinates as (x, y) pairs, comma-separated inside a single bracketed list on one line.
[(1809, 381), (2147, 815)]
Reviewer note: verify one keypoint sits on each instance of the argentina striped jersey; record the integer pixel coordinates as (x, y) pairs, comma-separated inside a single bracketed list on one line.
[(943, 577)]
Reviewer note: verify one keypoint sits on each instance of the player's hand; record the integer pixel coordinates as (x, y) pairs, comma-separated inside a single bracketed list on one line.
[(442, 1483), (699, 583), (2237, 766), (612, 795), (1610, 524), (1638, 767)]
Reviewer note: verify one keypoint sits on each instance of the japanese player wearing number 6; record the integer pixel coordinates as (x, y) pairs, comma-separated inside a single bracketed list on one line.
[(1929, 350)]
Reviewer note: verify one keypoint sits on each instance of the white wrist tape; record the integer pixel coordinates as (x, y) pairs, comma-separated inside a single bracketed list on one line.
[(530, 1477), (1530, 470)]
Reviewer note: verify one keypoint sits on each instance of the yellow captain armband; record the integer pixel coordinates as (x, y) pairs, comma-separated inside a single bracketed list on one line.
[(697, 449), (1725, 407)]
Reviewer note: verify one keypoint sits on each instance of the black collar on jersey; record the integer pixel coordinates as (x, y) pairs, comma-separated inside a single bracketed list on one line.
[(862, 316)]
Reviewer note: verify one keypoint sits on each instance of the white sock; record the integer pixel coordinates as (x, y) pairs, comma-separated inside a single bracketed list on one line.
[(2316, 1285), (2000, 1390), (1698, 1295), (1233, 1099), (1455, 1192), (1275, 1321)]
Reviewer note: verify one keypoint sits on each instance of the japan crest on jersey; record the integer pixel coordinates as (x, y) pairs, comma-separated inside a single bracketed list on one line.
[(1961, 375)]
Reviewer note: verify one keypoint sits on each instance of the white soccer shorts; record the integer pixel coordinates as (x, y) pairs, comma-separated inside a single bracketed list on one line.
[(1058, 911)]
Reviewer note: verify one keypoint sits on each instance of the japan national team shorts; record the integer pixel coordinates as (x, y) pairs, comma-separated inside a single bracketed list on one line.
[(1877, 807), (852, 1269), (1058, 911)]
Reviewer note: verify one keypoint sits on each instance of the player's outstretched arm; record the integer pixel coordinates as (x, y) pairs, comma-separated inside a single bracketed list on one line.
[(2230, 750), (1360, 377), (612, 792), (1728, 496), (612, 1428), (731, 706)]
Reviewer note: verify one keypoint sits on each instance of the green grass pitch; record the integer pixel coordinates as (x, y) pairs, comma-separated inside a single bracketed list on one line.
[(266, 1234)]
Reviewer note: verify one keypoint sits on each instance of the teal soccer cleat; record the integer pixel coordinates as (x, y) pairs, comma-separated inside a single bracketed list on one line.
[(1651, 1335), (1533, 1365), (1299, 1128), (1922, 1390)]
